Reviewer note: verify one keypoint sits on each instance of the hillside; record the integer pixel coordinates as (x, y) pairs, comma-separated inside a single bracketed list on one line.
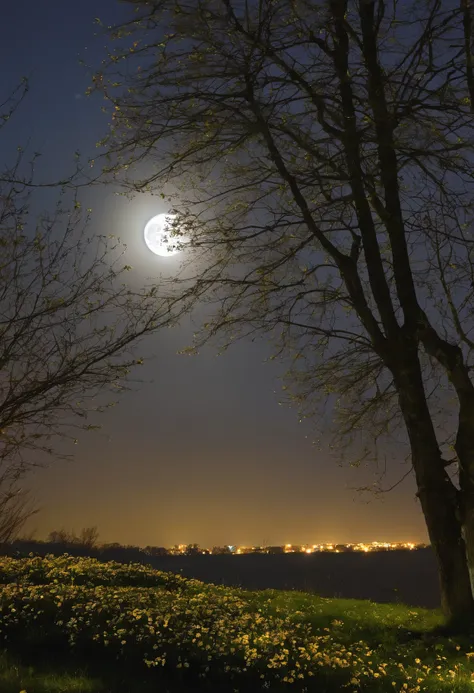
[(138, 628)]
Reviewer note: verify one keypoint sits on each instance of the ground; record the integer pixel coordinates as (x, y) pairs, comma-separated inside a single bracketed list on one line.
[(75, 624)]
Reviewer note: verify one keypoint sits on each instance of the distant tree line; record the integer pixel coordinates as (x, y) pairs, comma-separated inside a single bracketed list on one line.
[(86, 543)]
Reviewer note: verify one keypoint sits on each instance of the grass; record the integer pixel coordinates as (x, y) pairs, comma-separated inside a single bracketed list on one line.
[(74, 624), (41, 672), (16, 676)]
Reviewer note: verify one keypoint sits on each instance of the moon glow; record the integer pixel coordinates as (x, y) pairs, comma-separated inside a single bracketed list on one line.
[(158, 236)]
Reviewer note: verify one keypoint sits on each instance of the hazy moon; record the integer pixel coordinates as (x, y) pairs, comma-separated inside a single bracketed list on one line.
[(158, 236)]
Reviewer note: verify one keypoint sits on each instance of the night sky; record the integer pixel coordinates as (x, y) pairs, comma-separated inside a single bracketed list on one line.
[(201, 451)]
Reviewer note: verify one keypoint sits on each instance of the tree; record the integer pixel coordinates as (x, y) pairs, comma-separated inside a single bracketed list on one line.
[(89, 537), (220, 550), (69, 324), (16, 507), (318, 155), (156, 551), (192, 550), (61, 536)]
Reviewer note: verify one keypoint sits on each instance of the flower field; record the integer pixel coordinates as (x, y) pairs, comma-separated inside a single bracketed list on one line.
[(205, 637)]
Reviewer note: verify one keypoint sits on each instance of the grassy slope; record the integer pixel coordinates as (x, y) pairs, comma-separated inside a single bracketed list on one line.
[(361, 645)]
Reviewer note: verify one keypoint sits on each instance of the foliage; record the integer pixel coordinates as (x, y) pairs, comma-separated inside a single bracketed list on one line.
[(16, 507), (70, 319), (88, 537), (192, 550), (318, 155), (266, 123), (214, 634), (156, 551), (84, 571), (220, 550), (68, 325)]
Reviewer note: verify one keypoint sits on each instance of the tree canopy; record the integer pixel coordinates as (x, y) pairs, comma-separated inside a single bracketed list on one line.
[(319, 157), (69, 325)]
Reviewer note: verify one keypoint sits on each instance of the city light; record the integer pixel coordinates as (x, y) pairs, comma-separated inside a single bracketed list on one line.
[(306, 549)]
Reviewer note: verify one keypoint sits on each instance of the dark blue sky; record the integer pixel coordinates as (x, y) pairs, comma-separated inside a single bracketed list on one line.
[(201, 452)]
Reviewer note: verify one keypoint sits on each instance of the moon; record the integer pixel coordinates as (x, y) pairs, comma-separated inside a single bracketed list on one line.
[(158, 236)]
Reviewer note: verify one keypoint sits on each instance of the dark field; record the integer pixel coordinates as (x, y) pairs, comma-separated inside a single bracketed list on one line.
[(393, 576)]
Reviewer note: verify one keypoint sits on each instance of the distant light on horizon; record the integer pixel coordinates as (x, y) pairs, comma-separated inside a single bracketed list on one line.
[(308, 549)]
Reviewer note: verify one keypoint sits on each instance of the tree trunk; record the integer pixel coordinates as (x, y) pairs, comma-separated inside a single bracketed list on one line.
[(465, 452), (440, 500), (444, 529), (450, 356), (467, 532)]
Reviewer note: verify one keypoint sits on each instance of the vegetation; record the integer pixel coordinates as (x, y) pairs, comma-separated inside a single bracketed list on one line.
[(318, 156), (71, 317), (164, 628), (16, 676), (88, 538)]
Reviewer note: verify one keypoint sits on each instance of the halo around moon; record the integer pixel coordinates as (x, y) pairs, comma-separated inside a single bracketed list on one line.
[(158, 236)]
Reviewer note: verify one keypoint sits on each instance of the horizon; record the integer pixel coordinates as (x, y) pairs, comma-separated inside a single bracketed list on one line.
[(288, 545)]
